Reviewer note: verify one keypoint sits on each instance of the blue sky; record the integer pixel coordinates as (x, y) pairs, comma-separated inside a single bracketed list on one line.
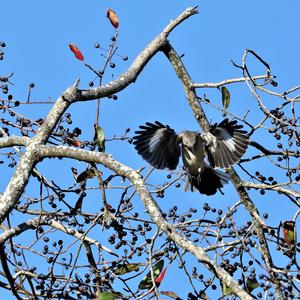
[(37, 34)]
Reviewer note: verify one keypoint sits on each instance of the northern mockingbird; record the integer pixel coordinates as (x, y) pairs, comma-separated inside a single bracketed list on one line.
[(223, 145)]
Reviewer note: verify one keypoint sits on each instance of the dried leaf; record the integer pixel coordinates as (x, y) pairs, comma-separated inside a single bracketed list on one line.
[(78, 204), (203, 295), (76, 143), (123, 269), (290, 237), (225, 97), (76, 52), (146, 282), (88, 173), (108, 206), (99, 137), (158, 255), (113, 18), (40, 121), (171, 295)]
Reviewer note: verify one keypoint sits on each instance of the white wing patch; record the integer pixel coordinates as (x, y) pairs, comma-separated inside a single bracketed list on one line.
[(210, 140), (155, 139), (225, 143)]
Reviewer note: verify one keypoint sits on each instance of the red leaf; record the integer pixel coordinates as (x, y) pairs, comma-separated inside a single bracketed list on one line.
[(161, 276), (76, 52), (113, 18), (159, 279), (146, 282)]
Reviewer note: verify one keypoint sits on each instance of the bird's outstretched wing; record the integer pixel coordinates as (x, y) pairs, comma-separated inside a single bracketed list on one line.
[(226, 143), (158, 144)]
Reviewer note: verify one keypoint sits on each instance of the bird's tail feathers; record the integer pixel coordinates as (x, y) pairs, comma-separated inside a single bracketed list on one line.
[(224, 177), (208, 182)]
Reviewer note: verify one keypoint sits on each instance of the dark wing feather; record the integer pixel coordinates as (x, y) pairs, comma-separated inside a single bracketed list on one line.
[(226, 143), (158, 144)]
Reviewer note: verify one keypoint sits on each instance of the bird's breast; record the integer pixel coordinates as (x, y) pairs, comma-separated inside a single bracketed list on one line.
[(193, 161)]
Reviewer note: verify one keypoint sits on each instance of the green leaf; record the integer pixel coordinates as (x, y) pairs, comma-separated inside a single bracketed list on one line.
[(88, 173), (251, 284), (106, 296), (226, 290), (225, 97), (123, 269), (171, 295), (110, 296), (146, 282), (99, 138)]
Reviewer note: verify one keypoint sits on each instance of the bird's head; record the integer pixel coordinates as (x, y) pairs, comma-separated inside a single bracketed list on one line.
[(189, 140)]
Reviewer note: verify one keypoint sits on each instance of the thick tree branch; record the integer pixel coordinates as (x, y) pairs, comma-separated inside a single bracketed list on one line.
[(13, 141), (187, 82)]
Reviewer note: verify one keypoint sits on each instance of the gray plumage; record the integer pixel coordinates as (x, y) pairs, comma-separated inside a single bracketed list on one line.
[(224, 145)]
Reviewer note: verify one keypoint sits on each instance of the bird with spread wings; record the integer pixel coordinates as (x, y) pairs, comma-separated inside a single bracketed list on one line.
[(223, 145)]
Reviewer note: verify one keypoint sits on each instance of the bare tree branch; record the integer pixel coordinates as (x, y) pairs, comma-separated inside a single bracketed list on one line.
[(46, 220), (277, 187), (226, 82)]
